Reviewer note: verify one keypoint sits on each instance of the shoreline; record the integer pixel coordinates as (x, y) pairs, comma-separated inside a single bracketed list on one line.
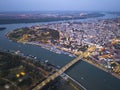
[(89, 62), (101, 68), (61, 51), (48, 19), (63, 76), (82, 59), (48, 47)]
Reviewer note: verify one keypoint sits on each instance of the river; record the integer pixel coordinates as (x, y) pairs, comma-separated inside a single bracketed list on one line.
[(89, 76)]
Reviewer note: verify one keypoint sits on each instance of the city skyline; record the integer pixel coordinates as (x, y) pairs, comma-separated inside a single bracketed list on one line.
[(62, 5)]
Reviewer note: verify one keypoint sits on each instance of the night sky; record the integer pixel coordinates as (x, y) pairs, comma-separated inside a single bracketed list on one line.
[(62, 5)]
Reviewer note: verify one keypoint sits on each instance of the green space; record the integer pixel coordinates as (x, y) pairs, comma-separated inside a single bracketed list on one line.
[(20, 73), (28, 34)]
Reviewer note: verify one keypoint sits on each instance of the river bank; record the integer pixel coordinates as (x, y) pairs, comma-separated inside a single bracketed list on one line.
[(92, 77), (34, 18), (59, 50), (102, 68), (18, 72), (48, 47), (69, 83)]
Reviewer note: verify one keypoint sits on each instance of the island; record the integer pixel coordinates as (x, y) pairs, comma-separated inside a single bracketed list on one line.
[(99, 37), (31, 17)]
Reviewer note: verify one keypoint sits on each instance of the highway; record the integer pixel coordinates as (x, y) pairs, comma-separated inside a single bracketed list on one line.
[(58, 73)]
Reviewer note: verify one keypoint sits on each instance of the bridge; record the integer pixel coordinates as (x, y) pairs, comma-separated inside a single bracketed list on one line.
[(63, 69), (58, 73)]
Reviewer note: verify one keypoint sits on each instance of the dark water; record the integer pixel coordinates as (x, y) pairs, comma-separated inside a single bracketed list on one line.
[(89, 76)]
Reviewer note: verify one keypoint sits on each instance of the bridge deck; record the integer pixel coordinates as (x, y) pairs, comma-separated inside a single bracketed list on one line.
[(58, 73)]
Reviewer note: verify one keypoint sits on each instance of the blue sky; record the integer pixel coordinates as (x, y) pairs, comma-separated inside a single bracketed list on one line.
[(62, 5)]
